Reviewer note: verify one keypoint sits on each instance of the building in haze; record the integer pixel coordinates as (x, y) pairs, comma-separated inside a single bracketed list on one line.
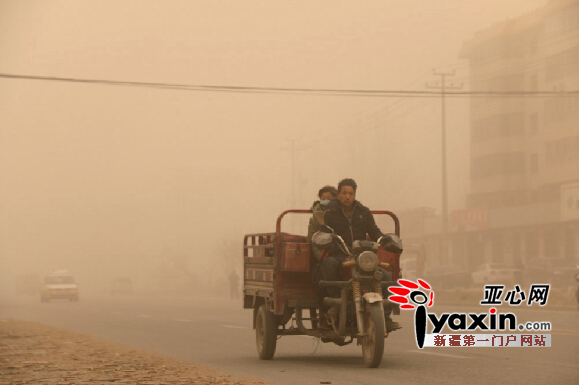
[(523, 206), (524, 200)]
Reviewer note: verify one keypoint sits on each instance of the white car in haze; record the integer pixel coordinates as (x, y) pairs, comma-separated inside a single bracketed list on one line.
[(489, 273), (59, 285)]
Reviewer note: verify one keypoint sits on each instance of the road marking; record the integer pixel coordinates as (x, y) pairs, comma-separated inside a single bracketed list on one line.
[(145, 316), (234, 327), (437, 354), (182, 320)]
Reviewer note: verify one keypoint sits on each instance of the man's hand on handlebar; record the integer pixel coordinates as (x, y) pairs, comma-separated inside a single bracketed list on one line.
[(392, 243)]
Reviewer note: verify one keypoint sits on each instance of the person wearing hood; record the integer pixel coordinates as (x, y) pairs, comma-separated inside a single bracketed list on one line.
[(326, 194)]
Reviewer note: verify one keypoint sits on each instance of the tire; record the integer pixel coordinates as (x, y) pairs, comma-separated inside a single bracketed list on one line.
[(373, 341), (265, 333)]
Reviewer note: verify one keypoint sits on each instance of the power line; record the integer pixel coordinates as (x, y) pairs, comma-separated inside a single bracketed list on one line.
[(319, 91)]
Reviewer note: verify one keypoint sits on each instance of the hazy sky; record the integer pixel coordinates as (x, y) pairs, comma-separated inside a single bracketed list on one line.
[(111, 179)]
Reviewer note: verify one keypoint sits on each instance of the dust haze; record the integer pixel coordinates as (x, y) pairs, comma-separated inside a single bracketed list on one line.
[(160, 185)]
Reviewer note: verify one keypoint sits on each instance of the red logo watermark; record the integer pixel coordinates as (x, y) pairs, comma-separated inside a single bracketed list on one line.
[(411, 297), (419, 295)]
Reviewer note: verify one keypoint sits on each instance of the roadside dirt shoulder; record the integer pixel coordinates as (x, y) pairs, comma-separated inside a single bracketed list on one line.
[(34, 353)]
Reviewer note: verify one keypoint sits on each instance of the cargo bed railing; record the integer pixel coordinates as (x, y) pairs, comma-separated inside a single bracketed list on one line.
[(374, 212), (257, 243)]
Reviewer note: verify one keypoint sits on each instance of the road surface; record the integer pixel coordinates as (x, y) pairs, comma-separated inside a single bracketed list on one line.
[(217, 332)]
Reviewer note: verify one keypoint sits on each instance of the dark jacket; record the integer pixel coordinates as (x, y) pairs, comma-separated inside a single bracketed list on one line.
[(313, 227), (350, 230)]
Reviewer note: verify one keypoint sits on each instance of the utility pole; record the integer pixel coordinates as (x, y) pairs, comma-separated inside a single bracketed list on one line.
[(442, 87)]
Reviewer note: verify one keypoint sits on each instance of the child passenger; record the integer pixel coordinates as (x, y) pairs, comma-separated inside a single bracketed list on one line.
[(326, 194)]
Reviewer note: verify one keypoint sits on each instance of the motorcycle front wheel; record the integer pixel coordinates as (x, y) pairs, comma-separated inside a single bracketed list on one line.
[(265, 333), (373, 341)]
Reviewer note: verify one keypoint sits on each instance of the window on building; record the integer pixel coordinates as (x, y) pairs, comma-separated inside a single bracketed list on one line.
[(509, 163), (562, 150)]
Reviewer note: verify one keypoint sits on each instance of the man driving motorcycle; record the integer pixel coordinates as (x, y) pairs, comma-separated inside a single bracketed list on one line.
[(352, 221)]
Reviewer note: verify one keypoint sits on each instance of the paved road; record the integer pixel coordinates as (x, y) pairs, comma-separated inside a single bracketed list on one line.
[(218, 333)]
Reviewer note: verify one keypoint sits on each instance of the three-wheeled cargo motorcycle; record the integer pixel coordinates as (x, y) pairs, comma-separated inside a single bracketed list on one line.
[(278, 287)]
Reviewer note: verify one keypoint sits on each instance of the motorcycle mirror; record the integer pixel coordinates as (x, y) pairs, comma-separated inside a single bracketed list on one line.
[(392, 243), (322, 240)]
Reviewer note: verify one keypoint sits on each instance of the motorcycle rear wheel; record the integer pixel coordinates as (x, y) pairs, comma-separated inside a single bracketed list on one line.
[(265, 333), (373, 341)]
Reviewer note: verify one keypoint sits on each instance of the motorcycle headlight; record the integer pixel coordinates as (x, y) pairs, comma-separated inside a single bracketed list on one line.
[(368, 261)]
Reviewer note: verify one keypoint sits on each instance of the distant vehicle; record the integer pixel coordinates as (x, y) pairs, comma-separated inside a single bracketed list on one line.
[(27, 284), (59, 285), (448, 277), (121, 285), (489, 273)]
